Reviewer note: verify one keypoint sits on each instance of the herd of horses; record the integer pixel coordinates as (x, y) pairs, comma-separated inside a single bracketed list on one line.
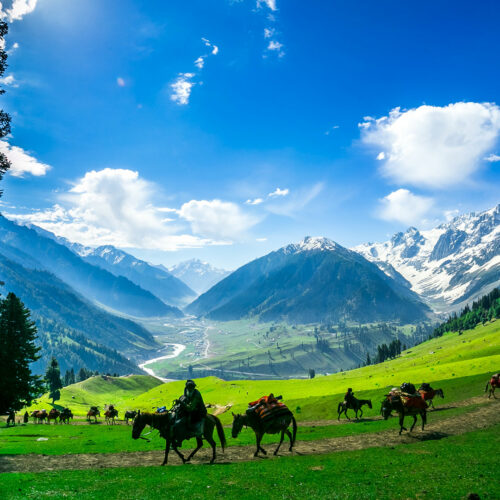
[(165, 422)]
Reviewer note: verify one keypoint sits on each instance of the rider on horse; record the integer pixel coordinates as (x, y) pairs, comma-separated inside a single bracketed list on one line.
[(349, 395), (193, 403)]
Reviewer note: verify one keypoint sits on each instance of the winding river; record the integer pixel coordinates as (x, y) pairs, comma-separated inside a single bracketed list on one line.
[(178, 348)]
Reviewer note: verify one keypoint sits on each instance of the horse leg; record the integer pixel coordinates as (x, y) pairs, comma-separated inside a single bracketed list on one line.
[(361, 413), (211, 442), (401, 423), (289, 434), (199, 444), (414, 422), (258, 438), (281, 440), (167, 449)]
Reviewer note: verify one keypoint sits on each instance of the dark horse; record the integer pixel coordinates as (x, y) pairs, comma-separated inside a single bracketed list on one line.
[(66, 414), (110, 414), (493, 383), (130, 415), (395, 403), (353, 404), (163, 422), (428, 396), (11, 419), (279, 424)]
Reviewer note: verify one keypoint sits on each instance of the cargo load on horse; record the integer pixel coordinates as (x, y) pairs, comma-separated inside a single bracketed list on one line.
[(267, 408)]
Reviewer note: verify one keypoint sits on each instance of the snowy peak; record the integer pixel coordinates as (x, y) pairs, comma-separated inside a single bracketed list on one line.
[(311, 243), (198, 275), (455, 262)]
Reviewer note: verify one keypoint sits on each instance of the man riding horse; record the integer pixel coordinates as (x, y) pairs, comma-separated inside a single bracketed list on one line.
[(192, 403)]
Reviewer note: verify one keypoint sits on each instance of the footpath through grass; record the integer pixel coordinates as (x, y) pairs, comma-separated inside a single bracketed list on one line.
[(450, 468)]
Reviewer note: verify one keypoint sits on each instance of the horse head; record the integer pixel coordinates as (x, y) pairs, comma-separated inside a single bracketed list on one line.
[(238, 422), (138, 426), (386, 408)]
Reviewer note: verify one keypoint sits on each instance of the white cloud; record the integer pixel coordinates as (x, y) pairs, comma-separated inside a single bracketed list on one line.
[(256, 201), (217, 219), (120, 82), (117, 207), (22, 162), (181, 88), (12, 49), (269, 32), (260, 240), (404, 206), (200, 62), (215, 50), (9, 80), (276, 47), (492, 158), (270, 4), (296, 201), (433, 146), (18, 10), (279, 192)]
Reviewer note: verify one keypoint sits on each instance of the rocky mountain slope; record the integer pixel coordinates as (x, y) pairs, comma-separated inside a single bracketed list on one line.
[(449, 265)]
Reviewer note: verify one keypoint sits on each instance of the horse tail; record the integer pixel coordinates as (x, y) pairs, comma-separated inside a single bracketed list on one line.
[(487, 384), (441, 393), (220, 431), (294, 433)]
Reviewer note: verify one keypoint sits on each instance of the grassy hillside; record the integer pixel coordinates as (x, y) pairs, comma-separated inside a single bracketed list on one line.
[(99, 391), (448, 357)]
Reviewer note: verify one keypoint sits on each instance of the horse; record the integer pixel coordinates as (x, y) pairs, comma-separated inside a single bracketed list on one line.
[(110, 414), (494, 382), (11, 419), (163, 422), (279, 424), (353, 404), (53, 415), (394, 402), (93, 412), (130, 415), (429, 395), (39, 416), (66, 414)]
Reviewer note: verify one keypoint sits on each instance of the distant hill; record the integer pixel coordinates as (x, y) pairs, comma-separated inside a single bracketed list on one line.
[(95, 283), (64, 316), (159, 282), (200, 276), (449, 265), (314, 280)]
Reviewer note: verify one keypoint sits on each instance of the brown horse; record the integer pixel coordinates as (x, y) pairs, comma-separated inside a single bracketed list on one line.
[(66, 414), (279, 424), (93, 412), (39, 416), (394, 402), (428, 396), (163, 422), (110, 414), (493, 383), (53, 415), (353, 404)]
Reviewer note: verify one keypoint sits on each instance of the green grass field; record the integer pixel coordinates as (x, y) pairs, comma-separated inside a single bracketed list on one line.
[(444, 469)]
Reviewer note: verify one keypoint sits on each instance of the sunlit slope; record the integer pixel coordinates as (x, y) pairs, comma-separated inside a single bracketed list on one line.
[(449, 357), (101, 390)]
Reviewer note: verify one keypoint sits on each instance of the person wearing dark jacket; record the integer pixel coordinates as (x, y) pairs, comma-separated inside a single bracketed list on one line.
[(192, 402)]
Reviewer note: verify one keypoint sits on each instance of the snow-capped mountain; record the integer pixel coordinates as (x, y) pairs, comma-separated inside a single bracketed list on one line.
[(449, 265), (199, 276), (314, 280)]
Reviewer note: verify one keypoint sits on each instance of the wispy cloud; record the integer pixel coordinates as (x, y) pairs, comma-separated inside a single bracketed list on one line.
[(404, 206), (9, 80), (120, 82), (180, 89), (256, 201), (492, 158), (279, 192)]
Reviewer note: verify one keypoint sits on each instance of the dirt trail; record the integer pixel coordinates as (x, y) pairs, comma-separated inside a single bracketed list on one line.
[(482, 417)]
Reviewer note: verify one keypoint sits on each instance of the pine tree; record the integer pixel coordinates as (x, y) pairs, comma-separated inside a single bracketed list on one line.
[(18, 386), (53, 380), (4, 117)]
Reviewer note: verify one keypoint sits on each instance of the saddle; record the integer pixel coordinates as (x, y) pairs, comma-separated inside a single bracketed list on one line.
[(267, 408)]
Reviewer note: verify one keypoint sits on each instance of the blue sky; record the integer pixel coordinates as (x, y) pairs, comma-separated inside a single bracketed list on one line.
[(225, 129)]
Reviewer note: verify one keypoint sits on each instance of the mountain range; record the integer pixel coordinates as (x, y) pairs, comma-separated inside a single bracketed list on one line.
[(200, 276), (93, 282), (447, 266), (316, 280)]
